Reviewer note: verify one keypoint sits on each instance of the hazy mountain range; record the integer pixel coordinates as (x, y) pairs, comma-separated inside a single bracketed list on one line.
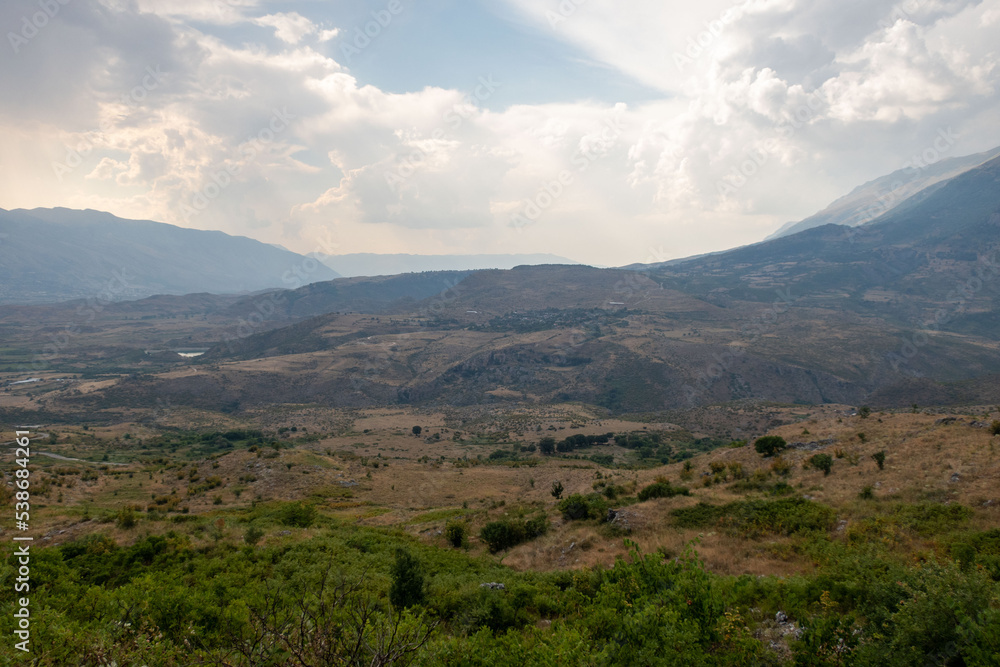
[(369, 264), (57, 254)]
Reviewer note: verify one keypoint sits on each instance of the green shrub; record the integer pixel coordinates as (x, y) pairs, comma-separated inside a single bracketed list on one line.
[(867, 493), (995, 427), (298, 515), (407, 581), (253, 535), (879, 458), (822, 462), (769, 445), (126, 518), (508, 533), (579, 506), (752, 518), (662, 490), (457, 534)]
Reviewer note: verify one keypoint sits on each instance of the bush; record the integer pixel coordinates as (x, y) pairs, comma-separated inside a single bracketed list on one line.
[(867, 493), (781, 467), (879, 458), (822, 462), (662, 490), (457, 534), (752, 518), (253, 535), (298, 515), (126, 518), (579, 506), (407, 581), (508, 533), (769, 445), (995, 427), (557, 490)]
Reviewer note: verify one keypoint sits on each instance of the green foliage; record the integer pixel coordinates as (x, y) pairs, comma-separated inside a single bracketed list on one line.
[(253, 535), (557, 489), (126, 518), (579, 506), (457, 534), (822, 462), (769, 445), (299, 515), (879, 459), (864, 412), (417, 430), (753, 518), (866, 493), (662, 490), (407, 581), (164, 601), (995, 427), (508, 533)]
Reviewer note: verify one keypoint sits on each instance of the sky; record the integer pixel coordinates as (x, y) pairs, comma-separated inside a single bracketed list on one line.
[(606, 131)]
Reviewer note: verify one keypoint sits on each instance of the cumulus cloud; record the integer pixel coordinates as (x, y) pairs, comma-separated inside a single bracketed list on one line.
[(769, 110)]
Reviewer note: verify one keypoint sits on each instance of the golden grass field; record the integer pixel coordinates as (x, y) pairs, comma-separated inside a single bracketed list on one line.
[(367, 467)]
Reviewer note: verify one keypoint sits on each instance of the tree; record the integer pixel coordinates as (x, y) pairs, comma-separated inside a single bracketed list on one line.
[(879, 458), (407, 581), (456, 533), (822, 462), (547, 445), (995, 427), (769, 445), (417, 430), (557, 490), (864, 412), (253, 535)]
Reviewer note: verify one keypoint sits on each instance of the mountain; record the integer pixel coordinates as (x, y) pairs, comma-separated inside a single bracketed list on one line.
[(898, 311), (367, 264), (875, 198), (58, 254)]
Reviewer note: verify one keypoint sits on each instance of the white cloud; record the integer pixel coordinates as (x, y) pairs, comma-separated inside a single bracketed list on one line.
[(810, 98)]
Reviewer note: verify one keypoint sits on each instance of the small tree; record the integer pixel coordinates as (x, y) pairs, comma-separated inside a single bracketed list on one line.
[(417, 430), (126, 518), (456, 533), (407, 581), (864, 412), (822, 462), (557, 490), (547, 445), (769, 445), (253, 535), (995, 427), (879, 458)]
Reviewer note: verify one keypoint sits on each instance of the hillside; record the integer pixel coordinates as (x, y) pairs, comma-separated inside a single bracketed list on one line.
[(877, 197), (52, 255)]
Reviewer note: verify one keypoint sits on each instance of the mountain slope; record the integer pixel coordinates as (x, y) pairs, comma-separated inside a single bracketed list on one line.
[(877, 197), (59, 254)]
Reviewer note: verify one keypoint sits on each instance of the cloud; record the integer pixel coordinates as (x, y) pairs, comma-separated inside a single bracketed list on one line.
[(774, 109)]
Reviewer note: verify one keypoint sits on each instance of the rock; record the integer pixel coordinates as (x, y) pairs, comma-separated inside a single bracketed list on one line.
[(955, 477), (493, 586), (946, 420), (612, 515), (781, 618), (841, 525)]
